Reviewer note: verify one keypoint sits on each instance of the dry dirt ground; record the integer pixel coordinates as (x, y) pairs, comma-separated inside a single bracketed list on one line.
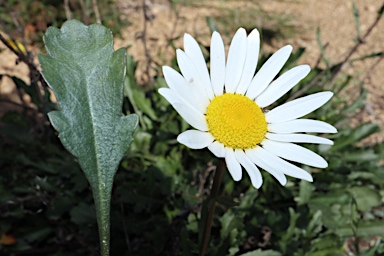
[(335, 18)]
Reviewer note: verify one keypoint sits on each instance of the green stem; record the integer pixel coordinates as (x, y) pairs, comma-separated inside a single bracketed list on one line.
[(102, 198), (211, 203)]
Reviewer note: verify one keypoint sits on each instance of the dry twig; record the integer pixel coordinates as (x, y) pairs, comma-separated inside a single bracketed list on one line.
[(96, 10), (147, 18), (68, 13), (343, 63)]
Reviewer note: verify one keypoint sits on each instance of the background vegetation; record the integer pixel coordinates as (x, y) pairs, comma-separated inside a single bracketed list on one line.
[(46, 206)]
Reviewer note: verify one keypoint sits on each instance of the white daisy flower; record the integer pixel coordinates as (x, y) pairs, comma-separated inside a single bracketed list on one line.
[(226, 107)]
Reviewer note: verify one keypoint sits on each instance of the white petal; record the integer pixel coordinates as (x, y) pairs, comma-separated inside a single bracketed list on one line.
[(178, 84), (217, 149), (281, 165), (268, 71), (235, 62), (191, 75), (233, 165), (302, 125), (217, 64), (250, 65), (195, 139), (185, 110), (299, 138), (294, 153), (282, 85), (254, 155), (250, 167), (192, 49), (298, 108)]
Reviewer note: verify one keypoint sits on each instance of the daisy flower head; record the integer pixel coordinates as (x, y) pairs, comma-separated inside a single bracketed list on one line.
[(226, 106)]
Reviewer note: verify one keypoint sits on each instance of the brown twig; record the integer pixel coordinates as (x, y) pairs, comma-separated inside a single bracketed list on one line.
[(334, 75), (147, 17), (96, 10), (68, 13), (17, 104), (34, 73), (16, 51), (360, 41), (24, 56), (174, 27), (314, 81), (85, 13), (203, 178)]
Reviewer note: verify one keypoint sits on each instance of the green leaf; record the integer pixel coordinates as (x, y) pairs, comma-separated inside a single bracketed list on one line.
[(321, 46), (31, 90), (334, 207), (226, 201), (82, 214), (87, 78), (315, 225), (380, 12), (364, 155), (358, 103), (365, 229), (296, 56), (305, 192), (365, 197), (374, 250), (259, 252), (60, 206), (46, 185), (355, 135), (326, 245), (357, 20), (211, 24), (135, 94), (369, 56), (230, 225), (38, 235)]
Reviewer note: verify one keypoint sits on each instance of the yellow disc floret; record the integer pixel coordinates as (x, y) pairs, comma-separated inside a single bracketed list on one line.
[(236, 121)]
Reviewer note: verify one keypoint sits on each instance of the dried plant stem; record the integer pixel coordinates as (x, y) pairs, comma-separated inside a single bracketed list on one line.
[(85, 13), (359, 42), (35, 75), (144, 40), (96, 10), (68, 13), (335, 74), (174, 28), (210, 203), (17, 104)]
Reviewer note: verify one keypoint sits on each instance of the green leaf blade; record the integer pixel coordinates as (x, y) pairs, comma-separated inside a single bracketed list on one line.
[(87, 77)]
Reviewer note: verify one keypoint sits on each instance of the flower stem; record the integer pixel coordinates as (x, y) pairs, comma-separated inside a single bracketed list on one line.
[(209, 205)]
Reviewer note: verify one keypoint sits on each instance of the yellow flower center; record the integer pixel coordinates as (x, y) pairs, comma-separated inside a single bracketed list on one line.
[(236, 121)]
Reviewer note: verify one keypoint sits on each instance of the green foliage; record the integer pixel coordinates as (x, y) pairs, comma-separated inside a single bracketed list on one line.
[(300, 219), (34, 17), (155, 207), (87, 77)]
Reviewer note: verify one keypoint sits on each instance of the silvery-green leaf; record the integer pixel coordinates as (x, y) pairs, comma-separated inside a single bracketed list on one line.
[(87, 76)]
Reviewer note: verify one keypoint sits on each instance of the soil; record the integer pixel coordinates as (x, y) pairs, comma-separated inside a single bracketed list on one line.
[(148, 39)]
